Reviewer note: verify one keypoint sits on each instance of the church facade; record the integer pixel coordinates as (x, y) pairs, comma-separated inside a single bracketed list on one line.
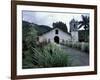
[(57, 35)]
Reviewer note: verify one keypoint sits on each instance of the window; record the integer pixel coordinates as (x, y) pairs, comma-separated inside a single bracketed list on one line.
[(56, 31)]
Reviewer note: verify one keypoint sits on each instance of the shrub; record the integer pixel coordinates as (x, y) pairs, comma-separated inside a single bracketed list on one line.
[(74, 45), (27, 60), (86, 47), (83, 46), (50, 56), (69, 43), (78, 46), (42, 44)]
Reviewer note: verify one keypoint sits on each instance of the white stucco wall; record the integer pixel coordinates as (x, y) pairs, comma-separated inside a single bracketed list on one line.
[(74, 35), (50, 35)]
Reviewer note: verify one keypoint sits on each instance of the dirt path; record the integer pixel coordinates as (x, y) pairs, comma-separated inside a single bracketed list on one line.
[(76, 57)]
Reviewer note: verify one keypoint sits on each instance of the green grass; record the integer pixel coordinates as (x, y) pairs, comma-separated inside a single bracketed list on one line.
[(50, 56)]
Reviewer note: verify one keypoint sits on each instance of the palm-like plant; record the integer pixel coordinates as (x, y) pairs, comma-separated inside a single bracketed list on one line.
[(84, 22)]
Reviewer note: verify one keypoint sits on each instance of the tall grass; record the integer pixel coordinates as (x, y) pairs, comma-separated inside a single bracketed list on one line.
[(50, 56), (82, 46)]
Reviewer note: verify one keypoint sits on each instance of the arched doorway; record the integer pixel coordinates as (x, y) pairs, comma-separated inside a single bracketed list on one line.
[(56, 39)]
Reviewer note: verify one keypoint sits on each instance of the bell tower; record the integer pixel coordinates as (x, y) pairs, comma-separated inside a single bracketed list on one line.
[(74, 30)]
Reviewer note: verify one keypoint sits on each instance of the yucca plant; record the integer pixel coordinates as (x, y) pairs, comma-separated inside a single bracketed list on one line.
[(50, 56)]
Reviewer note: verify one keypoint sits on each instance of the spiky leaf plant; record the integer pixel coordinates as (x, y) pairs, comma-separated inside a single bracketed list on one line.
[(50, 56)]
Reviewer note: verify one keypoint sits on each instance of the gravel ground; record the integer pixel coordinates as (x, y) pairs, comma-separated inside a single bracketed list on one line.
[(76, 57)]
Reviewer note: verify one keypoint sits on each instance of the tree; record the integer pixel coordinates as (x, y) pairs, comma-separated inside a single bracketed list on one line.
[(29, 35), (84, 22), (60, 25)]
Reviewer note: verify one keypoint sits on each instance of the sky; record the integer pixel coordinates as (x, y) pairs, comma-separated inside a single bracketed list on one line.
[(47, 18)]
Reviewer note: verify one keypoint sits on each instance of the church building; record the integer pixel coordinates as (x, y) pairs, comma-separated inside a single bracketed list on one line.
[(56, 35)]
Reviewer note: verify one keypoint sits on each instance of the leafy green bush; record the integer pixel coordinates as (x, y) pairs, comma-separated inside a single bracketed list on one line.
[(86, 47), (78, 46), (83, 46), (69, 43), (27, 60), (74, 45), (50, 56), (29, 37)]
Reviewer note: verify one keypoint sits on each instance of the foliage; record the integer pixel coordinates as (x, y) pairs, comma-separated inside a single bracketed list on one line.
[(39, 28), (83, 35), (42, 29), (83, 46), (78, 44), (43, 55), (29, 37), (27, 59), (84, 23), (50, 56), (60, 25)]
